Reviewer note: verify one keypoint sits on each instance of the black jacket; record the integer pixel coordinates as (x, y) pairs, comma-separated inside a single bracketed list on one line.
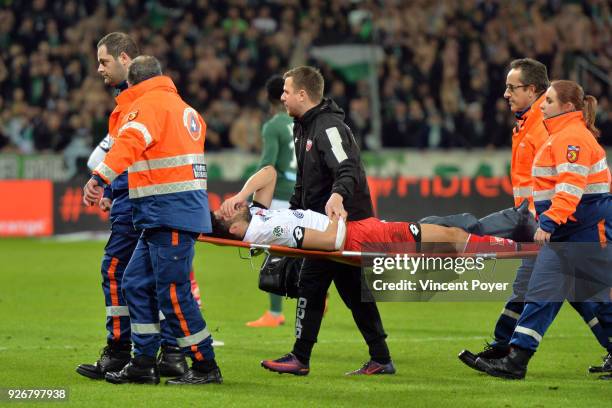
[(328, 162)]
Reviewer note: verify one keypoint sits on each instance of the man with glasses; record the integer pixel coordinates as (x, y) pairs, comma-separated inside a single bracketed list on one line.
[(526, 84)]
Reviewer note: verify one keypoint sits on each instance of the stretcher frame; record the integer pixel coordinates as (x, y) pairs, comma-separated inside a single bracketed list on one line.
[(354, 257)]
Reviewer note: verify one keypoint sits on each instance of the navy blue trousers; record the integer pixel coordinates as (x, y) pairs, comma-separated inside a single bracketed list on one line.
[(157, 279), (117, 254), (515, 306), (570, 271)]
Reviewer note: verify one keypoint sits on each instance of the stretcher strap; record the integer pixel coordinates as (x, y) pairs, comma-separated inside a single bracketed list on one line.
[(354, 257)]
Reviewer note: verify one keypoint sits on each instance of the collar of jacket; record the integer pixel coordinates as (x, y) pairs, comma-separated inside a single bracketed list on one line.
[(531, 111), (120, 88), (326, 105), (125, 97), (519, 115), (558, 122), (529, 118), (134, 92), (310, 114)]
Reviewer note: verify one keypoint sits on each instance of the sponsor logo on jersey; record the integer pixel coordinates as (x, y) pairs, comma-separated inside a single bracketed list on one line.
[(572, 153), (106, 143), (415, 230), (298, 235), (278, 231), (298, 214)]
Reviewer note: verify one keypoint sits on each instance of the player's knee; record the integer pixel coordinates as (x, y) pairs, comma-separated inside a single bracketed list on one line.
[(455, 234)]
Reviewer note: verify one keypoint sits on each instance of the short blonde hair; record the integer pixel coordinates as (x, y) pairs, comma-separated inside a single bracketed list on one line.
[(309, 79)]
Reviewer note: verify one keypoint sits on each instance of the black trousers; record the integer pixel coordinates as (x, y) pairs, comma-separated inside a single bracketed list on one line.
[(315, 278)]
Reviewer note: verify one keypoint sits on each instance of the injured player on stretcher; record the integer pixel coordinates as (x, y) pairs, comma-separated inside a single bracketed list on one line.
[(306, 229)]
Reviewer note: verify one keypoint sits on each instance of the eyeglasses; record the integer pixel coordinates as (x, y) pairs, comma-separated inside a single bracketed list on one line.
[(512, 88)]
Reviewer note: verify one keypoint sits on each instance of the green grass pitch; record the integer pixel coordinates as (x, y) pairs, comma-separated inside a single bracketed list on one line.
[(52, 319)]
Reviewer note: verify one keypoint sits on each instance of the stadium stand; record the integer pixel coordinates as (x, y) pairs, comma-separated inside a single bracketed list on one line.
[(440, 80)]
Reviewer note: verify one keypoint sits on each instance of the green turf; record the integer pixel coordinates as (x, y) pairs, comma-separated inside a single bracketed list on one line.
[(52, 318)]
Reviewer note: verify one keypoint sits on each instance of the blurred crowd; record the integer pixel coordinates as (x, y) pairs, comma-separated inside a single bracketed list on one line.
[(440, 81)]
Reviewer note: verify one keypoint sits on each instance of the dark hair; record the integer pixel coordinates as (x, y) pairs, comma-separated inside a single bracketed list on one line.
[(532, 73), (570, 91), (274, 86), (309, 79), (220, 227), (142, 68), (118, 42)]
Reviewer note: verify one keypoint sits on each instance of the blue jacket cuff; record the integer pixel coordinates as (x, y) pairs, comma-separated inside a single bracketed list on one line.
[(547, 224), (108, 192), (99, 180)]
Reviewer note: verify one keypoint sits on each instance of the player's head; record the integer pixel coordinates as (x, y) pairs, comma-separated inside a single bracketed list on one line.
[(115, 53), (233, 227), (567, 96), (274, 89), (303, 89), (526, 81), (142, 68)]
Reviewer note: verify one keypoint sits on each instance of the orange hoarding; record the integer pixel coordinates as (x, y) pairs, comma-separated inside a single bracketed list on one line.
[(26, 208)]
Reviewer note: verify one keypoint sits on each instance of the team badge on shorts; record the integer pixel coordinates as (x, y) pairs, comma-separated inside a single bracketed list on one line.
[(572, 153), (132, 115), (308, 145), (192, 123)]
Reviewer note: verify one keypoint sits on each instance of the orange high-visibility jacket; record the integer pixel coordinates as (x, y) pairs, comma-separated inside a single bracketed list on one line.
[(124, 100), (161, 143), (571, 177), (121, 211), (527, 138)]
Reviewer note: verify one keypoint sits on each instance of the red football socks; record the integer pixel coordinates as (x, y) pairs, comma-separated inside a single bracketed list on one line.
[(489, 243)]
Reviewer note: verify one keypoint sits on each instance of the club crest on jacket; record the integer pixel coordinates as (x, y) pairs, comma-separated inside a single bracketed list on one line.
[(308, 145), (572, 153)]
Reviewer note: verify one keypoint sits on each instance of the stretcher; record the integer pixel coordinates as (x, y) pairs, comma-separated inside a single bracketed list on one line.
[(353, 257)]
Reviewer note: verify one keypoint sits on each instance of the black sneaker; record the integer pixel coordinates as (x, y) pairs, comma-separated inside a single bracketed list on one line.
[(372, 368), (113, 358), (606, 367), (489, 352), (171, 362), (134, 372), (287, 364), (511, 367), (194, 377)]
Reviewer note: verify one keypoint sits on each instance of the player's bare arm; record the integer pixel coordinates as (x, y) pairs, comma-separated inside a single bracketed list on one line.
[(332, 239), (262, 184)]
